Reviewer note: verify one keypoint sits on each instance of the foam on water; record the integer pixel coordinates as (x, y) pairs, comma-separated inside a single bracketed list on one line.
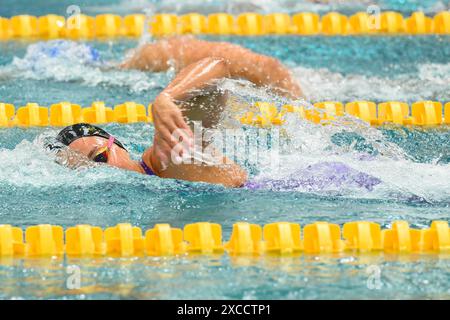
[(28, 164), (268, 6), (430, 83), (68, 61)]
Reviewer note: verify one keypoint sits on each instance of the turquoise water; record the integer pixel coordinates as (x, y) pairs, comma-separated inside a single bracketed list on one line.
[(42, 7), (412, 163)]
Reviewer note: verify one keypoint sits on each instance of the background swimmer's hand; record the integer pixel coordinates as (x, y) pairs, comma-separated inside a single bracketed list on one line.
[(168, 119), (149, 57), (129, 61)]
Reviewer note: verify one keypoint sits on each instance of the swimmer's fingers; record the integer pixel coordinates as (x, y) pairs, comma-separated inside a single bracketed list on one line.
[(173, 138), (169, 124), (173, 128), (181, 131), (181, 123), (162, 150), (165, 135), (127, 64)]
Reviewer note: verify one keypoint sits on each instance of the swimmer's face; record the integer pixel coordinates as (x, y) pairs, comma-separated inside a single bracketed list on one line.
[(90, 146)]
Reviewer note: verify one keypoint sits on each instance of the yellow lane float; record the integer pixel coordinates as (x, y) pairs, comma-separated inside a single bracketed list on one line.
[(133, 25), (6, 114), (80, 27), (51, 26), (306, 23), (31, 115), (263, 114), (245, 238), (193, 23), (24, 26), (124, 240), (280, 238), (246, 24)]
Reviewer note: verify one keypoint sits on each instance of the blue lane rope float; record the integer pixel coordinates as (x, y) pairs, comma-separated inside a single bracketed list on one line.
[(263, 114), (279, 238), (246, 24)]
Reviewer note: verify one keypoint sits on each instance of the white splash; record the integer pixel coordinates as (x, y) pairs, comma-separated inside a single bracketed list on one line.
[(430, 82), (29, 164), (69, 61), (262, 6), (311, 144)]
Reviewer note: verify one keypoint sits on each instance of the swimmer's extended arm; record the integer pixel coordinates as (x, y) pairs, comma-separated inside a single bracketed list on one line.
[(260, 69), (227, 174), (152, 57), (242, 63)]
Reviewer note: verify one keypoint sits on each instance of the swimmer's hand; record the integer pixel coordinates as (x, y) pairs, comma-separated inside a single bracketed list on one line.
[(171, 129)]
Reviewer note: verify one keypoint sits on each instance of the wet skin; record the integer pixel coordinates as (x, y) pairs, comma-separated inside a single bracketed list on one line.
[(117, 157), (226, 175), (198, 64)]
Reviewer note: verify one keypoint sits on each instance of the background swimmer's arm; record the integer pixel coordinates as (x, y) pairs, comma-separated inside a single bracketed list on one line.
[(260, 69), (151, 57), (197, 76), (242, 63), (175, 51)]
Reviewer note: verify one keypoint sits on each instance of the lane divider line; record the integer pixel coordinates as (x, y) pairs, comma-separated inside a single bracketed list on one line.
[(247, 24), (279, 238), (262, 114)]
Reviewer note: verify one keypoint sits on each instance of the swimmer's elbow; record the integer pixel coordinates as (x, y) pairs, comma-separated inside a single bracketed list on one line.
[(217, 66)]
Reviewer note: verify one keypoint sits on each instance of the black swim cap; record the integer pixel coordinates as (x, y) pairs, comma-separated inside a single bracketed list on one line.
[(81, 130)]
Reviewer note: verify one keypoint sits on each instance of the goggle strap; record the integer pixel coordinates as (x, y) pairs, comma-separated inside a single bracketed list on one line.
[(110, 142)]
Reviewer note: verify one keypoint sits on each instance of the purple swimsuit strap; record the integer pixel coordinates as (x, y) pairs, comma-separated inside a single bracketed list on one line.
[(146, 168)]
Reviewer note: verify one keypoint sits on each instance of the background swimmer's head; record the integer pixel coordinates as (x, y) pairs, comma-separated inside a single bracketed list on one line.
[(86, 141)]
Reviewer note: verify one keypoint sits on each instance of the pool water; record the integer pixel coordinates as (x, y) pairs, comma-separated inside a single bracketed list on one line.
[(412, 163), (93, 7)]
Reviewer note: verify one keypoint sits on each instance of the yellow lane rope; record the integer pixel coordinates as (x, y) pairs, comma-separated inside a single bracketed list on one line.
[(206, 238), (247, 24)]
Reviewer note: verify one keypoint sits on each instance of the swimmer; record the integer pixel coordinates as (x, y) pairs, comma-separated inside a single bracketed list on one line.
[(193, 95), (199, 64), (94, 144)]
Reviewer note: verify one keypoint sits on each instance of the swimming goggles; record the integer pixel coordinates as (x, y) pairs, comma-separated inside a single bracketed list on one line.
[(103, 154)]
